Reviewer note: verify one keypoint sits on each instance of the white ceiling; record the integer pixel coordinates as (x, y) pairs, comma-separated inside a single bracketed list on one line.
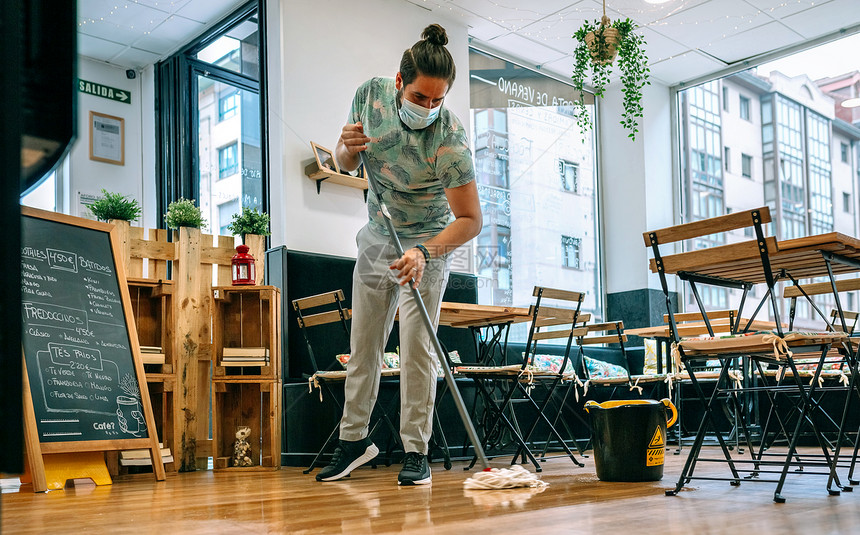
[(686, 38)]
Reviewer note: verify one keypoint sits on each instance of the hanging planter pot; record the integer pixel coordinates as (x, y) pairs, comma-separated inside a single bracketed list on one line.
[(602, 43), (598, 44)]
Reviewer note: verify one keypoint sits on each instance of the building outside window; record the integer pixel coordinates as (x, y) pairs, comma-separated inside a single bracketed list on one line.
[(725, 99), (525, 140), (744, 108), (792, 125), (228, 105), (569, 172), (570, 251), (228, 161), (746, 165), (727, 158)]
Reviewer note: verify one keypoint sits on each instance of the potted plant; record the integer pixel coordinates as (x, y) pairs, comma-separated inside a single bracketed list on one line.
[(184, 213), (249, 221), (598, 43), (113, 206)]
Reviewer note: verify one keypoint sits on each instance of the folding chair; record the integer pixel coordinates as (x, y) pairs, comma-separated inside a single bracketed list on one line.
[(747, 261), (328, 309), (503, 387)]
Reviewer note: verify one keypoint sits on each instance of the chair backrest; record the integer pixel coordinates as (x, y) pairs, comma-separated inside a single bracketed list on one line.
[(565, 315), (850, 320), (702, 266), (610, 332), (694, 324), (322, 309), (823, 288)]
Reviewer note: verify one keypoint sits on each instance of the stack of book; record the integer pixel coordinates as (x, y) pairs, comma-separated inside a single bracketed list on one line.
[(245, 356), (142, 457), (152, 354)]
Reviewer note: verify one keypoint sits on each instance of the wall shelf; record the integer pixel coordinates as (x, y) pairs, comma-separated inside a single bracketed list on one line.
[(321, 175)]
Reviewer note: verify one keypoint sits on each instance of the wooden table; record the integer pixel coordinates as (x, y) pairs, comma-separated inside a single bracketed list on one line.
[(489, 325), (471, 315)]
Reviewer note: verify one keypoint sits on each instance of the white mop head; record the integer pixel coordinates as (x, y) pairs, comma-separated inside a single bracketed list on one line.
[(503, 478)]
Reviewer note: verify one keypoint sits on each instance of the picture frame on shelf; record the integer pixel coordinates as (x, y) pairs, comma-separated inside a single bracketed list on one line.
[(325, 158)]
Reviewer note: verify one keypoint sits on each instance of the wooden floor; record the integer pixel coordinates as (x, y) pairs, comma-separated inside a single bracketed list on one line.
[(370, 501)]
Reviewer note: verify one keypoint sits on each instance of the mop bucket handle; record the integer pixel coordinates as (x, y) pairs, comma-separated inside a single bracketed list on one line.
[(669, 405), (590, 404)]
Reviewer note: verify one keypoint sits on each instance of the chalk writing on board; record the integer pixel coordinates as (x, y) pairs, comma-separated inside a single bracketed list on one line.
[(76, 338)]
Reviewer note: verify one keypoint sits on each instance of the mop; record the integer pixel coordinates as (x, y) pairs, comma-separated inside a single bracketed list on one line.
[(489, 478)]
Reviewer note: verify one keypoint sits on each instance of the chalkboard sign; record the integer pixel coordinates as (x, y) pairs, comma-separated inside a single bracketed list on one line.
[(85, 378)]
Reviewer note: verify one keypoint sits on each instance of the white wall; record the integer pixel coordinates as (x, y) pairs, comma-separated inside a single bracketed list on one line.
[(637, 185), (327, 49), (90, 176)]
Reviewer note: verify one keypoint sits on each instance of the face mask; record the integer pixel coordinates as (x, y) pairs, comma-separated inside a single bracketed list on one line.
[(416, 116)]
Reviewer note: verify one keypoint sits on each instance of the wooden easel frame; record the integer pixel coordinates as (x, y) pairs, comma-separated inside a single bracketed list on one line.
[(35, 449)]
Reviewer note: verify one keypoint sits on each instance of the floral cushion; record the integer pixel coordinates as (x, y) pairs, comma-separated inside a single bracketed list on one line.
[(599, 369), (547, 363), (390, 361)]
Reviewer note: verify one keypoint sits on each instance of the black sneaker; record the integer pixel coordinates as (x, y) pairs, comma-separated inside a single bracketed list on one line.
[(415, 470), (348, 455)]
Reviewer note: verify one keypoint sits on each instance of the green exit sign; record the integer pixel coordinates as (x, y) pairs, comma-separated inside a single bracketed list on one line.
[(104, 91)]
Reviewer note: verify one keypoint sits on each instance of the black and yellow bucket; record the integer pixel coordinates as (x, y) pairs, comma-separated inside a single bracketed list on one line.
[(630, 438)]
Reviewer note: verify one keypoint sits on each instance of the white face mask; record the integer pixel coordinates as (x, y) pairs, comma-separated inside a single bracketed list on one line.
[(416, 116)]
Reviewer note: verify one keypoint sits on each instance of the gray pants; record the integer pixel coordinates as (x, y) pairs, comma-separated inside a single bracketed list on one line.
[(375, 297)]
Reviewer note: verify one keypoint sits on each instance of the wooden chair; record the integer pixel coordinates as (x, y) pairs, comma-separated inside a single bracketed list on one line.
[(329, 309), (503, 387), (709, 267)]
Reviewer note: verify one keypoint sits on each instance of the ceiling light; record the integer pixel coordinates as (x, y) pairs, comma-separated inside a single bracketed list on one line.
[(851, 103), (656, 1)]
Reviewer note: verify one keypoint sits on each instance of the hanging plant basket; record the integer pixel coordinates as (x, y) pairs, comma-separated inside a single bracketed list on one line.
[(598, 44)]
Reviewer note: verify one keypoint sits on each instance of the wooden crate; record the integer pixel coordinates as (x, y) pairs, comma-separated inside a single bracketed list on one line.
[(151, 305), (247, 318), (255, 404)]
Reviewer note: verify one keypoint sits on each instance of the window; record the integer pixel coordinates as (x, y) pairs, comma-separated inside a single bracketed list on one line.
[(570, 248), (744, 108), (569, 172), (746, 165), (790, 165), (228, 161), (212, 101), (725, 99), (529, 156), (226, 211), (228, 105)]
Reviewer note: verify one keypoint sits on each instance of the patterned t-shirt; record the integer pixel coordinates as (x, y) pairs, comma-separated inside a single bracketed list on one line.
[(412, 167)]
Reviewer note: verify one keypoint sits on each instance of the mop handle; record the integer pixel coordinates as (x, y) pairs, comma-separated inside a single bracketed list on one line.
[(437, 345)]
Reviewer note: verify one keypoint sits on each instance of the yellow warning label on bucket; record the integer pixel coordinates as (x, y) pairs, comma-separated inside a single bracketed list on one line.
[(656, 449), (657, 439), (655, 456)]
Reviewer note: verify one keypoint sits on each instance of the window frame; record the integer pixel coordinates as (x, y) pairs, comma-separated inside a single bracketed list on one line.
[(176, 84)]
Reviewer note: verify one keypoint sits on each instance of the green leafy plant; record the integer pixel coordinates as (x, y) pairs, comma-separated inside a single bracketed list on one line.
[(184, 213), (115, 206), (597, 44), (249, 221)]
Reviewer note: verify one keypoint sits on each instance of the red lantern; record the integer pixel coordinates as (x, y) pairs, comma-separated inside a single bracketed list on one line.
[(244, 271)]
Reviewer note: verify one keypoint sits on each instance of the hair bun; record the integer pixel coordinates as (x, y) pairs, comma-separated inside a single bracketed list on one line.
[(435, 34)]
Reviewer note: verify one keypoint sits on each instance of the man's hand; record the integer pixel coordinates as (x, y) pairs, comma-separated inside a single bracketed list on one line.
[(411, 266), (352, 141)]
